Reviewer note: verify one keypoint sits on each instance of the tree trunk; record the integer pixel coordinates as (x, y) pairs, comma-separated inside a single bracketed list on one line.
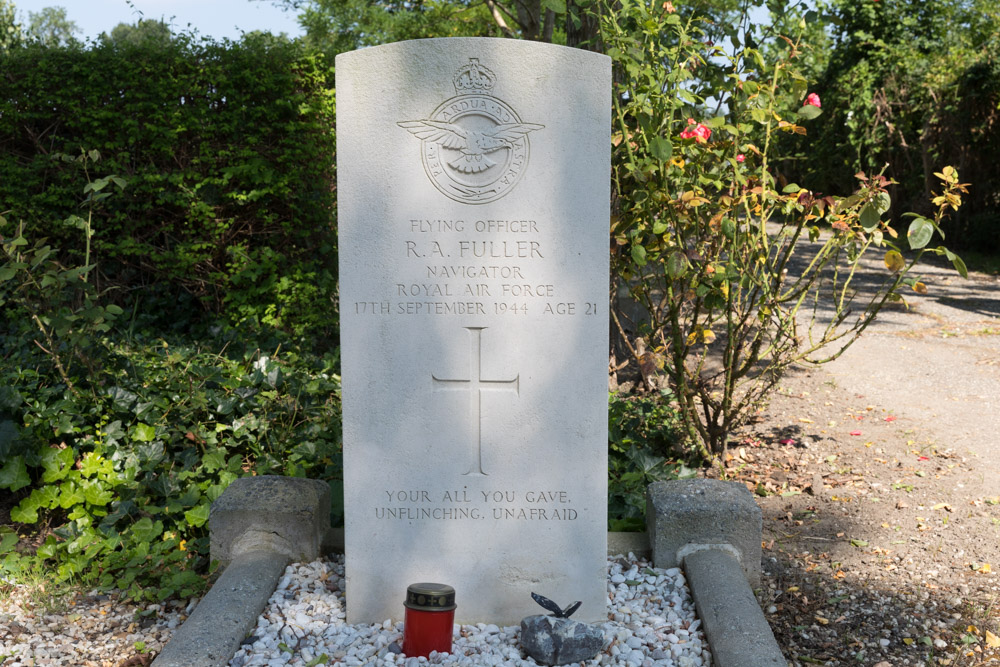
[(584, 31)]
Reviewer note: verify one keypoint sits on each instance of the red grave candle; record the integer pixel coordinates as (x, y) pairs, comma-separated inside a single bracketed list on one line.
[(430, 617)]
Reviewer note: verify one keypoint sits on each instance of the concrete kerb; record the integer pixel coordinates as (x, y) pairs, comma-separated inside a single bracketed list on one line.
[(256, 528), (260, 524), (713, 530)]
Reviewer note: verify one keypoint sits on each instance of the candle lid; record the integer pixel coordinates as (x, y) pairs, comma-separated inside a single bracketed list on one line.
[(430, 597)]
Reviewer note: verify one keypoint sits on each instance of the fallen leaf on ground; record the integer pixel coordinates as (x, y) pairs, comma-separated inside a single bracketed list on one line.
[(992, 640), (788, 441), (855, 432), (890, 418), (805, 420)]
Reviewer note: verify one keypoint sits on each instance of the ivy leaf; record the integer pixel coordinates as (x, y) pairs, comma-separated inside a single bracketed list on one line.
[(143, 432), (14, 474), (20, 515), (95, 493), (144, 530), (57, 464), (197, 516), (70, 495)]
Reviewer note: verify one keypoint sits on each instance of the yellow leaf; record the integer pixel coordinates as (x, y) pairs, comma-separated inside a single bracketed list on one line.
[(986, 569), (701, 335), (894, 261), (805, 420), (908, 640), (992, 640), (822, 621)]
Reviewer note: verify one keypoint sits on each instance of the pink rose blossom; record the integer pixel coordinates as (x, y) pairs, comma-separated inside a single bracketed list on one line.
[(699, 132), (812, 99), (741, 157)]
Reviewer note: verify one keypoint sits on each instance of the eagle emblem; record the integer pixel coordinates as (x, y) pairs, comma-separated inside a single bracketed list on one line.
[(474, 146)]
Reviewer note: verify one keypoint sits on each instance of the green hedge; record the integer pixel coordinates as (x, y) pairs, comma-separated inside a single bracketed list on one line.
[(910, 87), (228, 152)]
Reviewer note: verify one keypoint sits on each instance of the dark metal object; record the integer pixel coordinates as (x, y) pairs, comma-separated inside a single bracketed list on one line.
[(556, 610)]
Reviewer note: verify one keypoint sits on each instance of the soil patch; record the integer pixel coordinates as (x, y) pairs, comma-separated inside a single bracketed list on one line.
[(879, 481)]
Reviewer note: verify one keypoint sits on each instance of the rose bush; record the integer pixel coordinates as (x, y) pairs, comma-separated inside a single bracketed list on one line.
[(708, 303)]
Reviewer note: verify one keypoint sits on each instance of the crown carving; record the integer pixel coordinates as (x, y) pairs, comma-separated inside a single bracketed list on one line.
[(474, 78)]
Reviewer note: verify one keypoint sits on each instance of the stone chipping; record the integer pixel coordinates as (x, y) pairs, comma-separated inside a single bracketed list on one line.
[(651, 623)]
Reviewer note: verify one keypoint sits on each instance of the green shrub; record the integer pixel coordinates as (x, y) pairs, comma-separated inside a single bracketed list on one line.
[(909, 87), (228, 149), (704, 233), (118, 434), (645, 439)]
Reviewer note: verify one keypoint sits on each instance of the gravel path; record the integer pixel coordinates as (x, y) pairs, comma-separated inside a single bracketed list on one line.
[(879, 478)]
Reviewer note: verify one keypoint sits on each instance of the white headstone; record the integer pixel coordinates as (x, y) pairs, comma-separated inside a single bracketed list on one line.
[(473, 204)]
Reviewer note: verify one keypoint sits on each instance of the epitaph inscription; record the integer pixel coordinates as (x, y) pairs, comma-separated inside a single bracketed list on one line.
[(473, 192)]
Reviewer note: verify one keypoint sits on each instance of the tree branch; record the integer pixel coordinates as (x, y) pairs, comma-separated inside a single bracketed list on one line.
[(498, 17)]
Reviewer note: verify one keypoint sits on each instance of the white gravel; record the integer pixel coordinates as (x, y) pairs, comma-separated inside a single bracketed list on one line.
[(92, 630), (651, 623)]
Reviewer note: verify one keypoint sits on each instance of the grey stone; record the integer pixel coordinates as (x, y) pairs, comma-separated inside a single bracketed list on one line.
[(472, 209), (734, 624), (227, 614), (684, 516), (560, 641), (287, 515), (626, 543)]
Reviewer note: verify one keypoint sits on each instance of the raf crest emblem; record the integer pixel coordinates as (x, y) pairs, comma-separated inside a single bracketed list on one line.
[(474, 146)]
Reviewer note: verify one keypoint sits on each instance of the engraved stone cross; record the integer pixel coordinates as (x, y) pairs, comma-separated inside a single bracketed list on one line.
[(476, 385)]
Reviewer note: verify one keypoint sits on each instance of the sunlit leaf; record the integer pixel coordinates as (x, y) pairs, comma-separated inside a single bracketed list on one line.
[(197, 516), (882, 202), (143, 432), (920, 232), (894, 261)]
